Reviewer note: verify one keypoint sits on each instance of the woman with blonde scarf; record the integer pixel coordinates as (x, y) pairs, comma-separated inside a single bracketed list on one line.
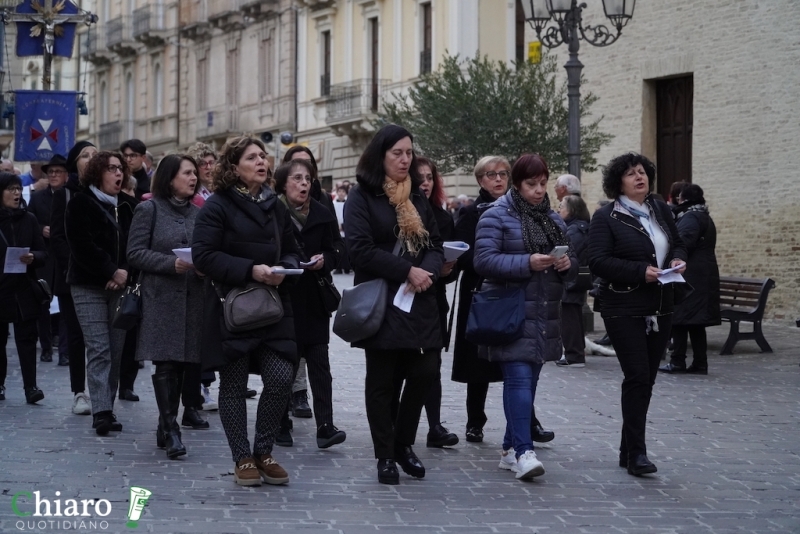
[(392, 234)]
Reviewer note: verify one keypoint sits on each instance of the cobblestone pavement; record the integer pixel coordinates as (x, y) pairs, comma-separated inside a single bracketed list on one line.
[(726, 446)]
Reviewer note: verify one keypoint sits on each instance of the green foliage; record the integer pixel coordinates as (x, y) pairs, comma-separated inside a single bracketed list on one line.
[(474, 108)]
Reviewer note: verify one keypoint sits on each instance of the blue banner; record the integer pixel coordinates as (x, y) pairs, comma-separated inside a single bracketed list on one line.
[(44, 124), (28, 45)]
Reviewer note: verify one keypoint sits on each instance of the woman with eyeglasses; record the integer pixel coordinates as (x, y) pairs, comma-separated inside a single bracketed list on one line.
[(316, 231), (206, 159), (97, 222), (18, 302)]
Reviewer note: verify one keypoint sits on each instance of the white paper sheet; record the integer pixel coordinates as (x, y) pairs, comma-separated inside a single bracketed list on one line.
[(281, 270), (454, 249), (184, 254), (54, 309), (670, 277), (13, 263), (403, 300)]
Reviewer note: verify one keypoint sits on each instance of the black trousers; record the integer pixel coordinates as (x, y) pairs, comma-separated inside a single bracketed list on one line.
[(639, 355), (418, 371), (476, 404), (77, 349), (433, 404), (680, 336), (572, 334), (129, 367), (320, 380), (45, 328), (25, 337)]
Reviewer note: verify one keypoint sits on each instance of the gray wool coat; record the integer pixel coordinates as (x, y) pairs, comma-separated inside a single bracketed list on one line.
[(172, 304)]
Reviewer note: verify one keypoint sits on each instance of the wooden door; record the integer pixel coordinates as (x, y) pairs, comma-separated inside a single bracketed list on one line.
[(674, 132)]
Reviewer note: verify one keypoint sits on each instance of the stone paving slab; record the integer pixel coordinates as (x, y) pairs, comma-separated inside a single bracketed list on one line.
[(726, 446)]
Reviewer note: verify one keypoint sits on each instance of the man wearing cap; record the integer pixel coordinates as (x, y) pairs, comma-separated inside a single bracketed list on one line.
[(41, 205)]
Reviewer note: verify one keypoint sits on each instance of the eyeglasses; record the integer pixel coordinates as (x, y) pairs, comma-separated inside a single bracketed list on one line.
[(493, 174), (14, 189), (131, 155), (203, 163), (299, 178), (56, 171), (114, 168)]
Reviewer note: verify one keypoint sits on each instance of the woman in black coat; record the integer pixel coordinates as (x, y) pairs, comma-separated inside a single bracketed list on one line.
[(576, 216), (242, 232), (630, 241), (97, 222), (701, 307), (18, 300), (317, 233), (387, 202), (432, 187)]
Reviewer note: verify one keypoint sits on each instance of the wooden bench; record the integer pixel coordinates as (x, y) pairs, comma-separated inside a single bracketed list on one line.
[(744, 299)]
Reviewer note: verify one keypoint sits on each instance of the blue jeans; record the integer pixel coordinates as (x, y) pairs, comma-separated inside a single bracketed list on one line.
[(519, 391)]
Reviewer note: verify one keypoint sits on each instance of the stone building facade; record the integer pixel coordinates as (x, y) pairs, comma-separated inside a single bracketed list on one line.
[(741, 57)]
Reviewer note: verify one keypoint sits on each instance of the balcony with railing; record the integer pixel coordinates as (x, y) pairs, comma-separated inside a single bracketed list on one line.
[(352, 106), (226, 15), (149, 24), (94, 49), (219, 122), (194, 19), (111, 134), (260, 9), (119, 36), (315, 4)]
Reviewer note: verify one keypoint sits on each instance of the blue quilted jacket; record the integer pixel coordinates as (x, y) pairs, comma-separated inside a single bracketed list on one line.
[(501, 258)]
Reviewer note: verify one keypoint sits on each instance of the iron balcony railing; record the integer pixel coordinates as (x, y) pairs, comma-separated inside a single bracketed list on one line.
[(148, 19), (118, 32), (355, 100)]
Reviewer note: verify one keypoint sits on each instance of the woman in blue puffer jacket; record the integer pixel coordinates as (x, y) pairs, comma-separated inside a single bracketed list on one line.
[(512, 247)]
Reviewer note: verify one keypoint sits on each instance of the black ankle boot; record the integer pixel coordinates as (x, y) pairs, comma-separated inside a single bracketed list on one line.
[(539, 434), (387, 472), (167, 388), (192, 419), (101, 422)]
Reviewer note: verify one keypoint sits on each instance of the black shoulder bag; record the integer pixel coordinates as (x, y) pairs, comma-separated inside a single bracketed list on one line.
[(129, 306)]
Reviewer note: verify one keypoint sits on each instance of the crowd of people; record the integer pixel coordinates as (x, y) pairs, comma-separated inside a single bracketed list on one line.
[(205, 231)]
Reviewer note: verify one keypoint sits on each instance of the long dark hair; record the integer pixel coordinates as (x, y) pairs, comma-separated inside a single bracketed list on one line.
[(167, 170), (370, 172), (437, 191), (289, 156)]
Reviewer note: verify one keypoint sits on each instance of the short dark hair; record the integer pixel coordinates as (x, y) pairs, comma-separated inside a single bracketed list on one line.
[(232, 152), (437, 192), (370, 172), (300, 148), (693, 193), (167, 170), (618, 166), (135, 145), (576, 207), (93, 174), (675, 191), (528, 166), (282, 173), (9, 179)]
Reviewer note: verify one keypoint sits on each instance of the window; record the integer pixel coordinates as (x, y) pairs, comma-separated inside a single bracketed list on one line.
[(374, 67), (427, 38), (266, 62), (202, 84), (325, 77), (130, 104), (519, 33), (232, 76), (103, 102), (158, 90)]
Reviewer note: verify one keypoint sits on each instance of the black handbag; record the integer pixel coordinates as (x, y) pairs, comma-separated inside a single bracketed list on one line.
[(42, 292), (496, 316), (328, 294), (129, 309), (585, 280)]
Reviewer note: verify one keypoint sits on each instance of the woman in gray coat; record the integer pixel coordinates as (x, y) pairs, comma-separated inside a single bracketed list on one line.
[(514, 242), (172, 297)]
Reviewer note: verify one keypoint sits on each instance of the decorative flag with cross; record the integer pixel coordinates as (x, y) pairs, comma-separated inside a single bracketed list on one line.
[(45, 124), (33, 19)]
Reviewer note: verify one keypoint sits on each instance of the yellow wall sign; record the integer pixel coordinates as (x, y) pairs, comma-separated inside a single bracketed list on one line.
[(535, 52)]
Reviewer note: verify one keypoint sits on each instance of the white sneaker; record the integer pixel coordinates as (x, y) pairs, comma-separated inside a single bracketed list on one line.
[(209, 404), (80, 404), (508, 460), (528, 466)]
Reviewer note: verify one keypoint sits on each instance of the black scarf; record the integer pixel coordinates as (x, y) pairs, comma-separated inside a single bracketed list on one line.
[(539, 232)]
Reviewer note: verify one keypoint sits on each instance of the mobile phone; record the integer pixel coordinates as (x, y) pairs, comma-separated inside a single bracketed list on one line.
[(559, 251), (308, 263)]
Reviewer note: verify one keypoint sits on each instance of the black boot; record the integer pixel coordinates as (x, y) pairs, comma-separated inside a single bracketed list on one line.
[(300, 407), (192, 419), (167, 388), (539, 434)]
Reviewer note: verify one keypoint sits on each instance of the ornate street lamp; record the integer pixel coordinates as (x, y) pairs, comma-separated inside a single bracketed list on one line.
[(568, 28)]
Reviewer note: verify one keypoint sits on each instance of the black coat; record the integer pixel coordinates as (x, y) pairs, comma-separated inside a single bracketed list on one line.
[(446, 230), (620, 250), (20, 229), (467, 367), (98, 247), (699, 235), (320, 235), (59, 246), (41, 205), (231, 235), (370, 224), (578, 233)]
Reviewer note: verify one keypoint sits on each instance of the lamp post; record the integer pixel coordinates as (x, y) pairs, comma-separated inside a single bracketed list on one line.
[(568, 28)]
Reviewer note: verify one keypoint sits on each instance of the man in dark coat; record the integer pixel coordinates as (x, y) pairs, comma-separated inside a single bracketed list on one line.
[(134, 151)]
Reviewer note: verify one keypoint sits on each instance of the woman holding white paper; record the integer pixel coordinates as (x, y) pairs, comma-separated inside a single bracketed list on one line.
[(171, 289)]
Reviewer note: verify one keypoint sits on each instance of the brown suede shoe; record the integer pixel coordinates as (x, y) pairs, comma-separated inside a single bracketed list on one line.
[(245, 473), (271, 472)]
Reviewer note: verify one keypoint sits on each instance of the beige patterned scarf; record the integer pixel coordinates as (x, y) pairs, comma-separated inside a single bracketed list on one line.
[(413, 235)]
